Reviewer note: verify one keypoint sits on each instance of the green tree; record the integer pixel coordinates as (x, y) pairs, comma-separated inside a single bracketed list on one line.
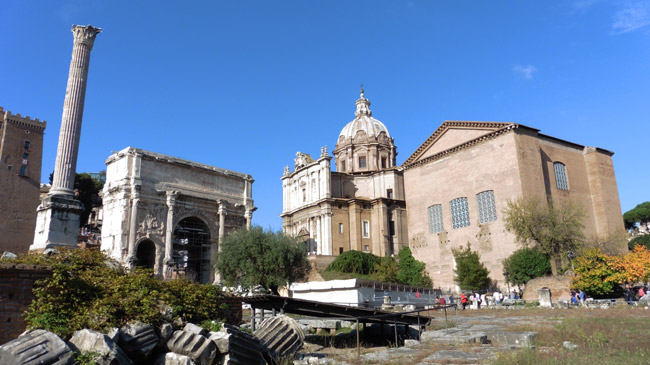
[(643, 240), (412, 271), (252, 257), (639, 215), (354, 262), (387, 270), (551, 229), (526, 264), (470, 273)]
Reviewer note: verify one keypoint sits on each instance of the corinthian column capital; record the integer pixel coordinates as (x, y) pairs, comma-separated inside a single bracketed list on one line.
[(85, 34)]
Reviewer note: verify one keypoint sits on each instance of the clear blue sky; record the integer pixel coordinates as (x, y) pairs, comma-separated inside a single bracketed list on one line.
[(243, 85)]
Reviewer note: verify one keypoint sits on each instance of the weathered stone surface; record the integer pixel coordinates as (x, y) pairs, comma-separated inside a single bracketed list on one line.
[(199, 348), (138, 340), (93, 341), (164, 332), (321, 323), (281, 335), (569, 345), (453, 336), (114, 334), (36, 347), (411, 343), (171, 358), (192, 328), (544, 297), (238, 347), (517, 339)]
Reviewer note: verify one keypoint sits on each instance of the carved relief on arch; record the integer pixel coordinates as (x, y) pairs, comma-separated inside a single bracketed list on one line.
[(151, 220)]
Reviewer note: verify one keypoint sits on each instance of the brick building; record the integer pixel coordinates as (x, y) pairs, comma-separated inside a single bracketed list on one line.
[(459, 180), (21, 150)]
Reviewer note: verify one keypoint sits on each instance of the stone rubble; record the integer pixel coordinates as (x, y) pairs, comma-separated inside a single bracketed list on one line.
[(281, 335), (36, 347), (93, 341)]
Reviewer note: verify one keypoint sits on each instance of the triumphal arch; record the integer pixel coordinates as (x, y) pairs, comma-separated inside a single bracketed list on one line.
[(170, 214)]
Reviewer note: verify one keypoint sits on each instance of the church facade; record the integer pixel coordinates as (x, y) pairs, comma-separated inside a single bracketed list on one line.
[(170, 214), (360, 206), (459, 181)]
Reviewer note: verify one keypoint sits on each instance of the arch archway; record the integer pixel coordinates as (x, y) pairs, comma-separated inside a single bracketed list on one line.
[(191, 249), (146, 254)]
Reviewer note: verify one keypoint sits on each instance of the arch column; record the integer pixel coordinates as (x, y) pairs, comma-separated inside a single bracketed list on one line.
[(169, 230), (222, 232), (133, 225)]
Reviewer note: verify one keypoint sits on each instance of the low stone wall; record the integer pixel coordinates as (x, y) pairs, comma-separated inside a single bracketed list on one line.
[(16, 284)]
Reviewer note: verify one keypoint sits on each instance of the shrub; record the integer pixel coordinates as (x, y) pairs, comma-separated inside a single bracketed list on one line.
[(526, 264), (412, 271), (640, 240), (470, 272), (356, 262), (593, 272), (87, 290)]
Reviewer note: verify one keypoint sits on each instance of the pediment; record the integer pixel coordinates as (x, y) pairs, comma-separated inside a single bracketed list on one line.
[(451, 134)]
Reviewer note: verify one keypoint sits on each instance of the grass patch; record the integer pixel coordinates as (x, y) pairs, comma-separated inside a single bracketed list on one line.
[(612, 336)]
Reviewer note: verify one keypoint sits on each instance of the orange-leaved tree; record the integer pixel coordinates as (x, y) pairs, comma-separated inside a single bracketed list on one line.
[(633, 267)]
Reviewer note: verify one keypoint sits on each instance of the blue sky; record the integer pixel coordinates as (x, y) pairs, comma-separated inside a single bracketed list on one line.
[(243, 85)]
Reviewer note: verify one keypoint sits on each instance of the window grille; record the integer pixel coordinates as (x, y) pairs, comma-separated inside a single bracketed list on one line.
[(435, 218), (560, 176), (459, 213), (487, 211)]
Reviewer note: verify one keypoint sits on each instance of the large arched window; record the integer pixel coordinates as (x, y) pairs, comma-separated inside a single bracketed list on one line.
[(192, 249), (561, 180)]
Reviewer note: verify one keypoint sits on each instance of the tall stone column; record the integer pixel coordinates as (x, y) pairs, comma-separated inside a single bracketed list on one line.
[(133, 224), (57, 222), (169, 230), (222, 232)]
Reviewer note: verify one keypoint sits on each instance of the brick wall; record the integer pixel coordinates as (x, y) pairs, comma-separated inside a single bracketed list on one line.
[(16, 283)]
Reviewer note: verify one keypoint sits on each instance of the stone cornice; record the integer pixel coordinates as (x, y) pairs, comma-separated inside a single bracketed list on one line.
[(410, 163), (444, 127), (175, 161)]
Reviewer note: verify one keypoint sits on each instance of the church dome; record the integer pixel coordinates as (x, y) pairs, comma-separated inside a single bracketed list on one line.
[(363, 121)]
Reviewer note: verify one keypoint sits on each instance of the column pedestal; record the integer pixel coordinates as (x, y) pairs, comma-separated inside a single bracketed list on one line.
[(57, 222)]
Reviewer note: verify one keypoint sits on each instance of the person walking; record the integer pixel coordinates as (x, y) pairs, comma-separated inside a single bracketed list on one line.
[(582, 296), (463, 300)]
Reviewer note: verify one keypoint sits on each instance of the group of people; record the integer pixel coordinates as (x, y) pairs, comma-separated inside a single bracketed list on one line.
[(630, 292), (475, 300), (578, 297)]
